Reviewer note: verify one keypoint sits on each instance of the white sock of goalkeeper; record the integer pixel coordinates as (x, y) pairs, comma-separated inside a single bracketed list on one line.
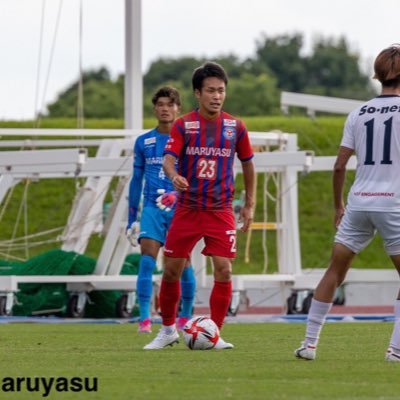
[(315, 320), (395, 339)]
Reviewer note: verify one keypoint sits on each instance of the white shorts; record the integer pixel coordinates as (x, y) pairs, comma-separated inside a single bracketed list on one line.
[(358, 228)]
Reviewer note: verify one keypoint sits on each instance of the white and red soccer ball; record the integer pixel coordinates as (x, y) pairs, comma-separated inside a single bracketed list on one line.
[(200, 333)]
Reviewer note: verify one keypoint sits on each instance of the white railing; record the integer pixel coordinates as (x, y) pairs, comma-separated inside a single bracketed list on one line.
[(313, 103)]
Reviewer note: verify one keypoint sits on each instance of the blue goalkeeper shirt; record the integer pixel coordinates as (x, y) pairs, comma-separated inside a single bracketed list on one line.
[(147, 164)]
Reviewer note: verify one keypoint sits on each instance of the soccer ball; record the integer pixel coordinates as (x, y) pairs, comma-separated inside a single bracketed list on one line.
[(200, 333)]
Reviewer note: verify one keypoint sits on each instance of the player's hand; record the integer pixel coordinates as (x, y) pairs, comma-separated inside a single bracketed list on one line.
[(132, 234), (246, 217), (338, 216), (167, 200), (180, 183)]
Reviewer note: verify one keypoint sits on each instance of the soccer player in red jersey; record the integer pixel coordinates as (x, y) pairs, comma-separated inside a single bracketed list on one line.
[(204, 142)]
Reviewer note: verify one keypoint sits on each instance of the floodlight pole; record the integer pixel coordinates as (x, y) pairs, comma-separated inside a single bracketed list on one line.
[(133, 101)]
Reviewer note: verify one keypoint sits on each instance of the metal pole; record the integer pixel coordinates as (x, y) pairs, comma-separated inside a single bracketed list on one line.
[(133, 102)]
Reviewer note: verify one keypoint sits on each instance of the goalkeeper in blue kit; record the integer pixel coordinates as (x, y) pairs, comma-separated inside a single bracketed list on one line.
[(155, 219)]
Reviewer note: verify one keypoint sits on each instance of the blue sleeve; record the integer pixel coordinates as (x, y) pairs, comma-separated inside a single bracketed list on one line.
[(136, 184)]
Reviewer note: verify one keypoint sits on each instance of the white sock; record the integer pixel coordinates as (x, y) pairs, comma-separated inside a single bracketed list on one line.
[(395, 339), (315, 320), (168, 329)]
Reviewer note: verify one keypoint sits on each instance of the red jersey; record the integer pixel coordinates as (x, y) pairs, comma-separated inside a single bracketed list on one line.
[(206, 151)]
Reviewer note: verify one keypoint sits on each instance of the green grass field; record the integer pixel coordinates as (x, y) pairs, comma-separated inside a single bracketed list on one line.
[(350, 363)]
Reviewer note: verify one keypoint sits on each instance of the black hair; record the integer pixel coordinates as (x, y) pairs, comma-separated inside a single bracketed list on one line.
[(167, 91), (208, 70)]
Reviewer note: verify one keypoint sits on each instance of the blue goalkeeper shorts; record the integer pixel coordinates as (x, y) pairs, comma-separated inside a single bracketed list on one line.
[(154, 224)]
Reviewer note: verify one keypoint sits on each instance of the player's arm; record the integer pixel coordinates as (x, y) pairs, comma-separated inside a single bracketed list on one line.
[(180, 183), (171, 152), (135, 192), (136, 183), (247, 211), (339, 177), (245, 154)]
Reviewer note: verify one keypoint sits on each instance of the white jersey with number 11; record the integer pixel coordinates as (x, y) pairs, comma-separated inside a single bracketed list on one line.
[(373, 132)]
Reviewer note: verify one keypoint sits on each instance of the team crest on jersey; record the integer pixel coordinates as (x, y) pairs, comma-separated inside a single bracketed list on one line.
[(229, 122), (149, 140), (229, 133), (192, 125)]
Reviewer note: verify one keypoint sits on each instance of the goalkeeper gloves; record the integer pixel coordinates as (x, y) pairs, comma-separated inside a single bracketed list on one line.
[(167, 200), (132, 233)]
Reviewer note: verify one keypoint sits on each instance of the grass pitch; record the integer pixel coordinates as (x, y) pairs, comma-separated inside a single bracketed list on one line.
[(350, 363)]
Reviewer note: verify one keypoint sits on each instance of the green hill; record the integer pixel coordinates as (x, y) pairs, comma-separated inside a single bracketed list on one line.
[(49, 201)]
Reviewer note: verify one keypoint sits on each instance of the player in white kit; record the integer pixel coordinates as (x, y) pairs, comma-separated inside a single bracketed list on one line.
[(372, 133)]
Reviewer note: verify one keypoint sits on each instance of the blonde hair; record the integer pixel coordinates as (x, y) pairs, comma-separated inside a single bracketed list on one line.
[(387, 66)]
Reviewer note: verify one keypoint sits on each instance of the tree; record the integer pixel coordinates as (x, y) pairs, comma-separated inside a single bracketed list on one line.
[(331, 69), (178, 73), (170, 70), (250, 95), (281, 55), (103, 97), (232, 65), (334, 69), (181, 69)]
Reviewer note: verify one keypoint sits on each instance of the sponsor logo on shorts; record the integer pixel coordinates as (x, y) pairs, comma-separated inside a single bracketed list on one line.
[(167, 250), (231, 232)]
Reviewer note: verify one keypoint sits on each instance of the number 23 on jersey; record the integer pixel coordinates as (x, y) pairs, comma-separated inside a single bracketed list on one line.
[(206, 169)]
